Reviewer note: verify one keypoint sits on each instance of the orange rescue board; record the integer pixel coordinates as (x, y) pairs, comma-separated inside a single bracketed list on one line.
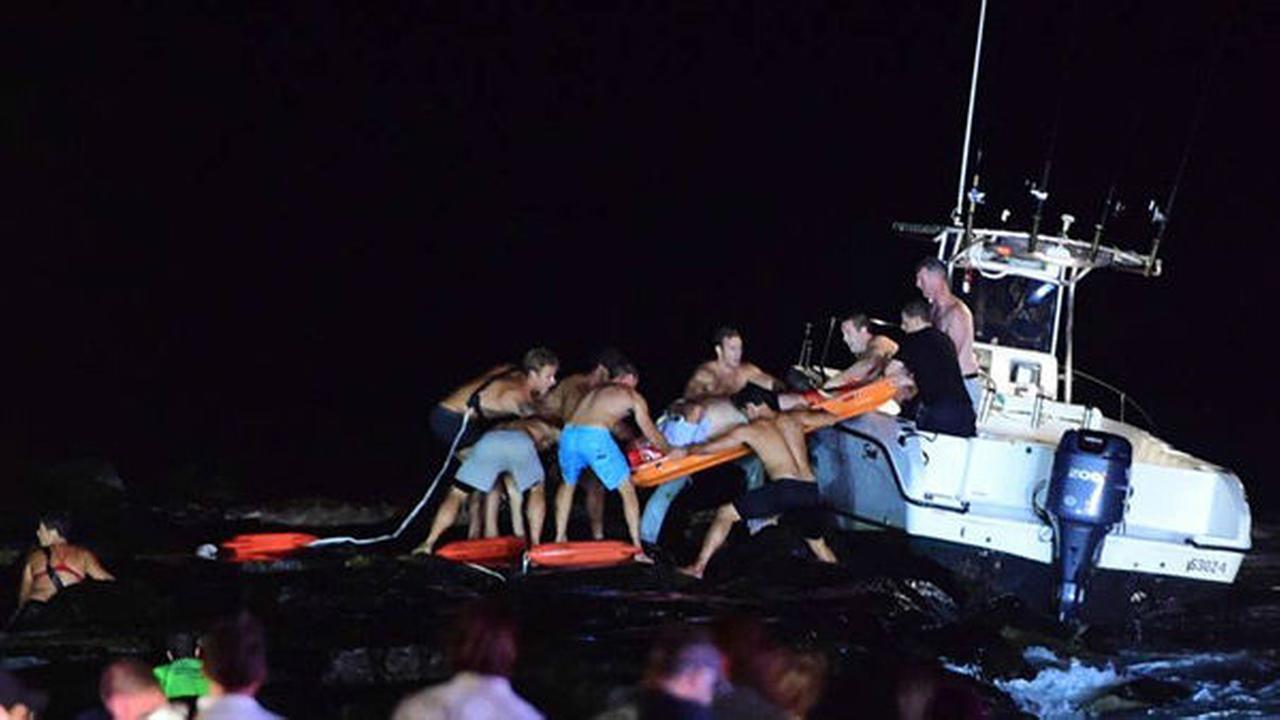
[(504, 550), (844, 405), (263, 547), (584, 554)]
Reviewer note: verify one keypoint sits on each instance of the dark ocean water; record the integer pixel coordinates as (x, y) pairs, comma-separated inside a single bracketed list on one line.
[(352, 631)]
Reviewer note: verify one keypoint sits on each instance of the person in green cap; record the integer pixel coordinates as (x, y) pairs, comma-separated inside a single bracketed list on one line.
[(183, 676)]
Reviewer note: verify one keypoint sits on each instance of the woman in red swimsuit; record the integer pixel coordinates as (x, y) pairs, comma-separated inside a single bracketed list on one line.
[(56, 564)]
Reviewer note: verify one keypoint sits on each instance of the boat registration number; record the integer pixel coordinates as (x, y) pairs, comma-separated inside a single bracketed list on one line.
[(1206, 566)]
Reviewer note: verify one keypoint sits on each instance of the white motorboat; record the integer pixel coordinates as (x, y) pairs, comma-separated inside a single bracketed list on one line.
[(1051, 493)]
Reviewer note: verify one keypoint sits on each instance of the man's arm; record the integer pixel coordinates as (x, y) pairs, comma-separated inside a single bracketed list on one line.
[(857, 372), (902, 380), (550, 403), (879, 352), (729, 441), (702, 383), (813, 419), (514, 397), (763, 379), (24, 590), (640, 409), (958, 325)]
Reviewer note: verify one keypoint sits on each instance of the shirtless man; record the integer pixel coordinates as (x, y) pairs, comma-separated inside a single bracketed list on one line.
[(587, 441), (704, 412), (56, 564), (949, 314), (504, 391), (509, 451), (778, 439), (871, 353), (563, 400), (728, 373)]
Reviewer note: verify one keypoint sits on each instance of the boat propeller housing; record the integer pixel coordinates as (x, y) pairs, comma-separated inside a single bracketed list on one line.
[(1087, 494)]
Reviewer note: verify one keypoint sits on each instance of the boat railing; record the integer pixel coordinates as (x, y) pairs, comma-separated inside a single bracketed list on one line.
[(1124, 399)]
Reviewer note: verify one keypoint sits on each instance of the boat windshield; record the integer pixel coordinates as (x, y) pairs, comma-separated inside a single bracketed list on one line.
[(1012, 311)]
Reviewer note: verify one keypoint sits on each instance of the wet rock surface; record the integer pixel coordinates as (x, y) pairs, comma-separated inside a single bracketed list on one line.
[(352, 630)]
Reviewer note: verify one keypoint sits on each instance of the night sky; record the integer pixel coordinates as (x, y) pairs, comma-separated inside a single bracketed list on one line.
[(257, 241)]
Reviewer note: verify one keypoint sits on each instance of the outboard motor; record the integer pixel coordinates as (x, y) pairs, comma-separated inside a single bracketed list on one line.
[(1087, 494)]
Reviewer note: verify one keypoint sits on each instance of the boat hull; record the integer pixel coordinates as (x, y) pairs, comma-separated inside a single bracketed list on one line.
[(975, 506)]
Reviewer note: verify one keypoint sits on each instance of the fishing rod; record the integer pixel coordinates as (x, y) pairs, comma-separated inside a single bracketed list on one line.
[(1160, 217), (826, 344), (1107, 206), (1040, 191)]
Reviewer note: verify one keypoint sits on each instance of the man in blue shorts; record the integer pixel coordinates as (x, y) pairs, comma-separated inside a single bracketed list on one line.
[(587, 441)]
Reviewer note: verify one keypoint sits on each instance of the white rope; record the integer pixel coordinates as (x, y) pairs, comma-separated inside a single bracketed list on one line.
[(466, 417)]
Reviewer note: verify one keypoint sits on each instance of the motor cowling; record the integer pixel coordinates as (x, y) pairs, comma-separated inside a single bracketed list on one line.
[(1087, 494)]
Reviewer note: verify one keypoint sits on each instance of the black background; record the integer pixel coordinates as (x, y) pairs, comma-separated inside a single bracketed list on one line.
[(261, 239)]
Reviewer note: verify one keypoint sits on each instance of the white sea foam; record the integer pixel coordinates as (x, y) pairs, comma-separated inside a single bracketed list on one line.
[(1056, 691), (1187, 662), (972, 669)]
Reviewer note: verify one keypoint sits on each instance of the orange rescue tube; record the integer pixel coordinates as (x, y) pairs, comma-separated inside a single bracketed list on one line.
[(256, 547), (582, 554), (845, 403), (504, 550)]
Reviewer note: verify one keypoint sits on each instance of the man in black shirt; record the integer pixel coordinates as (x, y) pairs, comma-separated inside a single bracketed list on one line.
[(929, 355)]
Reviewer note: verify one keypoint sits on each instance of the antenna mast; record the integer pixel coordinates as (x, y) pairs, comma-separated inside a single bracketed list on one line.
[(968, 123)]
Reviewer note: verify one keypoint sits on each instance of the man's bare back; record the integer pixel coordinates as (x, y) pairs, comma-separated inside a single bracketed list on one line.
[(953, 317), (610, 403), (544, 434), (565, 397), (779, 443), (507, 393)]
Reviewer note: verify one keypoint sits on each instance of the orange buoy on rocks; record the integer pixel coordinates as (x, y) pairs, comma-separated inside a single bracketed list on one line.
[(582, 554), (504, 550), (260, 547)]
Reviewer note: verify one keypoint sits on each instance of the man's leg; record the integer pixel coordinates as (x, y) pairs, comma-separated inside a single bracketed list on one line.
[(492, 505), (564, 502), (726, 516), (474, 516), (537, 512), (445, 515), (595, 506), (516, 498), (630, 510), (655, 508), (821, 549)]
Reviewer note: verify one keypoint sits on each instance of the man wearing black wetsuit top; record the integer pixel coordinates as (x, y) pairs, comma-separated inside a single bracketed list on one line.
[(929, 356)]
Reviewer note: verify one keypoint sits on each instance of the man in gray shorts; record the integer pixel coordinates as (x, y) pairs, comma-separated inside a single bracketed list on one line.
[(510, 451)]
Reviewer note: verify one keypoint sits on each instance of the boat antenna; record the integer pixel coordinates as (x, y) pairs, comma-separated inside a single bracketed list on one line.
[(1040, 191), (1160, 217), (968, 122)]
